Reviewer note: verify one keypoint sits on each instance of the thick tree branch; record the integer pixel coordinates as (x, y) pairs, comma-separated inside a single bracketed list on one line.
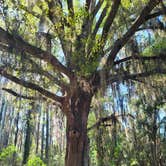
[(100, 20), (12, 92), (97, 8), (31, 86), (163, 6), (108, 118), (134, 76), (110, 19), (70, 7), (26, 9), (38, 69), (149, 17), (41, 71), (113, 50), (53, 6), (152, 28), (157, 25), (154, 15), (58, 18), (142, 58), (144, 16), (20, 45), (87, 4)]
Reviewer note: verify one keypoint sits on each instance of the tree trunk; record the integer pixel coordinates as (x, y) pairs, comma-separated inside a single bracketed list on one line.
[(28, 139), (47, 137), (17, 129), (153, 138), (3, 133), (43, 137), (99, 146), (38, 130), (99, 137), (77, 110), (1, 109)]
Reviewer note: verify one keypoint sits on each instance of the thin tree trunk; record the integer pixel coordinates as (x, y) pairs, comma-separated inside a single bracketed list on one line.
[(3, 115), (4, 134), (11, 126), (28, 138), (99, 138), (38, 131), (99, 146), (153, 139), (47, 137), (16, 132), (1, 110), (15, 137), (42, 138)]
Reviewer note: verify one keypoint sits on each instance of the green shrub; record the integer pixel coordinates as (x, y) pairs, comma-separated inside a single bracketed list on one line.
[(35, 161), (7, 152), (9, 155)]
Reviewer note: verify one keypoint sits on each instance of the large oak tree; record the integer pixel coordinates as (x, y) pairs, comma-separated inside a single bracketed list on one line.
[(67, 50)]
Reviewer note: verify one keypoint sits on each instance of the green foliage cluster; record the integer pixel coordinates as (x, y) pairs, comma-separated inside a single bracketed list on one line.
[(9, 155), (158, 47), (59, 158), (35, 161), (128, 3), (7, 152)]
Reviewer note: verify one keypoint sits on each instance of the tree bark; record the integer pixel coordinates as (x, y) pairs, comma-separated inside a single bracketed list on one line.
[(77, 110), (42, 136), (28, 137), (17, 128), (47, 137), (99, 146), (38, 131)]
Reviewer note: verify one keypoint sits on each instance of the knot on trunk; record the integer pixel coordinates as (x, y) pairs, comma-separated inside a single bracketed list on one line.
[(74, 134), (85, 86)]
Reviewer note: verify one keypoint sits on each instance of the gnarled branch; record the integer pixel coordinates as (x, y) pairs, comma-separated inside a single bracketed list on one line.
[(20, 45), (70, 7), (100, 20), (12, 92), (110, 19), (144, 16), (38, 69), (30, 86), (142, 58), (97, 8), (106, 119), (134, 76)]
